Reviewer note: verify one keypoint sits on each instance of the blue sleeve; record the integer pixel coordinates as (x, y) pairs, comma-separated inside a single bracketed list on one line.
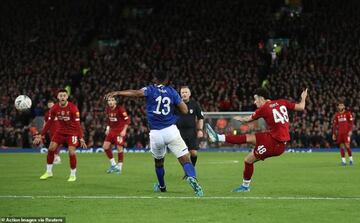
[(147, 90), (176, 97)]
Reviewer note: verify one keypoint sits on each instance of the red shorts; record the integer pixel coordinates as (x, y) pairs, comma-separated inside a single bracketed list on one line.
[(114, 138), (267, 146), (343, 138), (62, 139)]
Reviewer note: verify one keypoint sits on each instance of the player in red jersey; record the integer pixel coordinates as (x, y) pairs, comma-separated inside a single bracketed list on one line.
[(269, 143), (52, 130), (118, 122), (342, 131), (69, 132)]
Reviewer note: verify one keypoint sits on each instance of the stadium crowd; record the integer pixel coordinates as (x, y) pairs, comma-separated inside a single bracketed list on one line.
[(219, 50)]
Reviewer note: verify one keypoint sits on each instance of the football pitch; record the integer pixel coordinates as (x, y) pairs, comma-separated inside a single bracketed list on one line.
[(296, 187)]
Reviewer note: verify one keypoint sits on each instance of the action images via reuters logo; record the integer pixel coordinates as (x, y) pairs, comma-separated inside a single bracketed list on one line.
[(33, 219)]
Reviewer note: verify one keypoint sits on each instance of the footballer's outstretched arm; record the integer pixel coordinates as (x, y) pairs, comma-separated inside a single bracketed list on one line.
[(126, 93), (301, 106), (245, 119)]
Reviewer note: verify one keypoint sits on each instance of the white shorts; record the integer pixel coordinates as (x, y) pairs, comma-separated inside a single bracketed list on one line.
[(168, 137)]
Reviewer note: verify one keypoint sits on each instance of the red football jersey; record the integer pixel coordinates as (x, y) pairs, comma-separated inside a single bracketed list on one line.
[(342, 122), (54, 125), (275, 114), (117, 118), (68, 119)]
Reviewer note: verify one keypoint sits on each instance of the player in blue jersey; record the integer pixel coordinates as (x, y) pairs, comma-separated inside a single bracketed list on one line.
[(160, 103)]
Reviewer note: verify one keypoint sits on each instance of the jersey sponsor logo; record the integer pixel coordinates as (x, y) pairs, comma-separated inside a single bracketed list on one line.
[(113, 119), (342, 119), (162, 90), (63, 118)]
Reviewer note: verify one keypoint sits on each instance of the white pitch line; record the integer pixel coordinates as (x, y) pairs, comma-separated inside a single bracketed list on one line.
[(170, 198), (222, 162)]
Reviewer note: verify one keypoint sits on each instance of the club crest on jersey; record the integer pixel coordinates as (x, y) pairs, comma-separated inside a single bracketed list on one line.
[(113, 119), (274, 105), (342, 119), (191, 111)]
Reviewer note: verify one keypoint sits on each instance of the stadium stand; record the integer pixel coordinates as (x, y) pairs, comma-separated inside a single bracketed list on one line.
[(93, 47)]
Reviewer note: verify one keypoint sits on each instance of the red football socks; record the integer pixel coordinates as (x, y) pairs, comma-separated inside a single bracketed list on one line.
[(235, 139), (50, 157), (248, 170), (109, 153), (349, 151), (121, 157), (72, 161), (342, 152)]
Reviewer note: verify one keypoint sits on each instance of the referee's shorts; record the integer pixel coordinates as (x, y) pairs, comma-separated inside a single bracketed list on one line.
[(190, 138)]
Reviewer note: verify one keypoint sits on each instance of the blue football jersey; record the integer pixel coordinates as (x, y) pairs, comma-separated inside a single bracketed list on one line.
[(160, 102)]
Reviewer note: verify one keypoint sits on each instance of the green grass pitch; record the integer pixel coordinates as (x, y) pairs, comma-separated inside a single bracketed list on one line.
[(302, 187)]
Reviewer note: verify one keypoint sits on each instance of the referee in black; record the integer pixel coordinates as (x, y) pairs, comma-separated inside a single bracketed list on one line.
[(191, 124)]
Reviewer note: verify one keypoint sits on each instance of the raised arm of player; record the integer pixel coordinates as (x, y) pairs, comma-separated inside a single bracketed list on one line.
[(244, 119), (301, 105), (126, 93)]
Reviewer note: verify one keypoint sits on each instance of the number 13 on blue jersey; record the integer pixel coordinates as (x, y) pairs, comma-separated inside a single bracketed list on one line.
[(163, 103)]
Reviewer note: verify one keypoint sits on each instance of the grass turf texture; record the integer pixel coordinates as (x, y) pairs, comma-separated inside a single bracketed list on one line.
[(283, 190)]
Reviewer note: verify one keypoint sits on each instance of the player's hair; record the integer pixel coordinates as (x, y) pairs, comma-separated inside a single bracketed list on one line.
[(184, 86), (161, 76), (113, 98), (341, 102), (262, 92), (62, 91)]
